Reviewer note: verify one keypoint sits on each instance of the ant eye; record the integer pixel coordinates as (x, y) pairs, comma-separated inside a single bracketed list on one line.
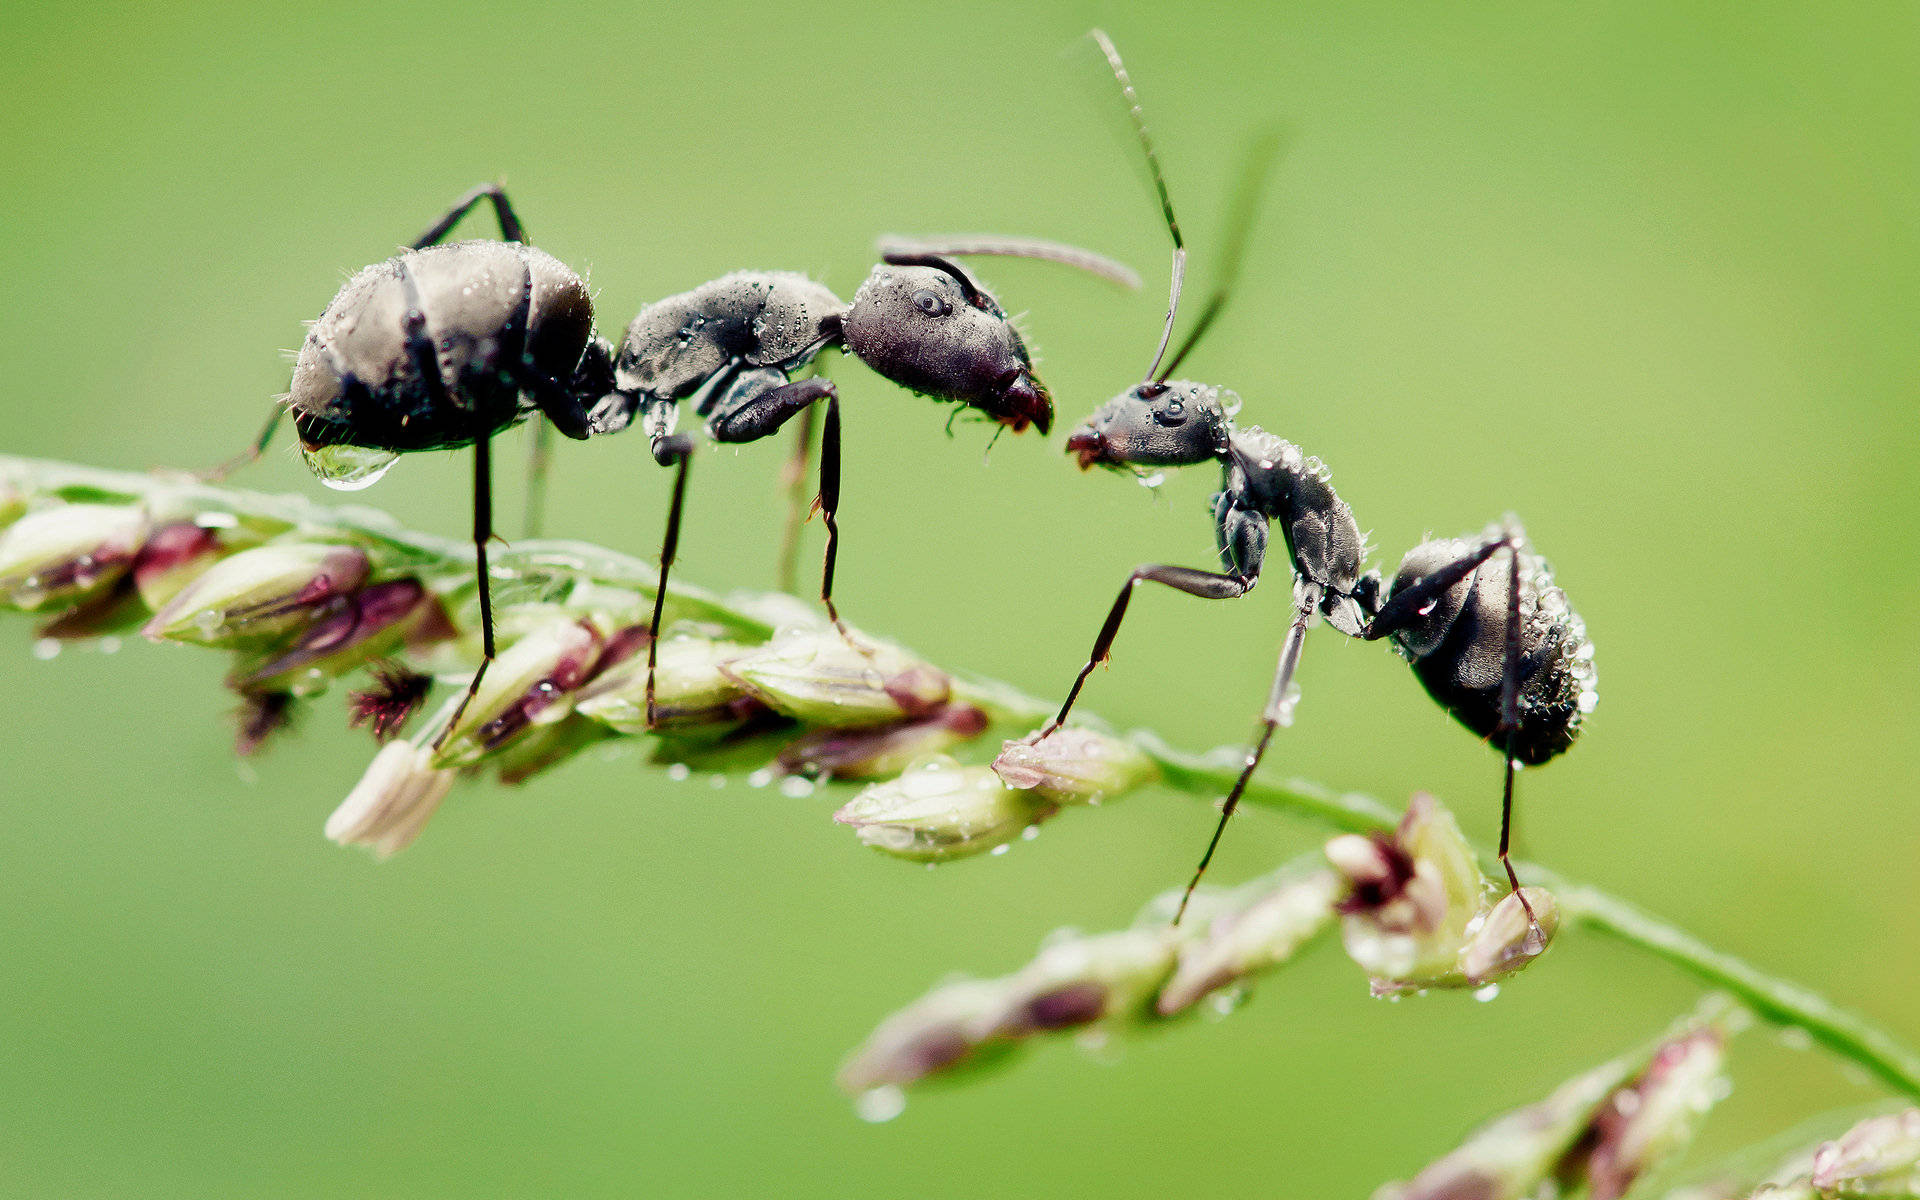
[(931, 304), (1174, 412)]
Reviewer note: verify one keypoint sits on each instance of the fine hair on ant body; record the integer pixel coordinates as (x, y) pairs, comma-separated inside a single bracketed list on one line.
[(1489, 635)]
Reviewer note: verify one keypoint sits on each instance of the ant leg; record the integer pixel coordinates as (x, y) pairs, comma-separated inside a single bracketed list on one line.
[(1404, 605), (252, 453), (482, 534), (510, 230), (674, 449), (1279, 711), (746, 416), (1510, 725), (793, 480), (1205, 584)]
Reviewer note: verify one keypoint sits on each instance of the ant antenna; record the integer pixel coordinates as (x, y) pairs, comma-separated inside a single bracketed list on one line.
[(1139, 119), (915, 251), (1261, 157)]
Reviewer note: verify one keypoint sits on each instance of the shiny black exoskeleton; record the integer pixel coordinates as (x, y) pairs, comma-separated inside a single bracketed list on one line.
[(732, 346), (443, 346), (1450, 611), (1488, 634)]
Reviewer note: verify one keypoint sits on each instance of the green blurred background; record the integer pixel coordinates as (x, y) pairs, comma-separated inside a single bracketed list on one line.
[(1645, 274)]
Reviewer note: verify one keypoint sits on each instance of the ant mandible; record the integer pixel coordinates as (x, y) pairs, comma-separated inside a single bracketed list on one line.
[(1494, 643)]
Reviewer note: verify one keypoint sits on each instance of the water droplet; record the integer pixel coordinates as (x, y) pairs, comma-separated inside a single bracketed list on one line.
[(1029, 833), (797, 786), (717, 782), (1152, 479), (1487, 993), (1001, 849), (348, 468), (880, 1104), (1794, 1037), (760, 778), (1224, 1002), (678, 772), (110, 645), (46, 648)]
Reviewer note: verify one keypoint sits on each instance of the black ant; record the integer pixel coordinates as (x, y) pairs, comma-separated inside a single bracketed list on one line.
[(439, 347), (1495, 643), (443, 346), (733, 344)]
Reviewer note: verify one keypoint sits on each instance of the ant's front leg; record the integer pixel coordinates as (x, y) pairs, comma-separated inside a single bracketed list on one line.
[(745, 415)]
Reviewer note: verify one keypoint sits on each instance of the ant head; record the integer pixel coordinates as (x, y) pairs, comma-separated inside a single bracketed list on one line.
[(1175, 423), (1430, 625), (928, 326)]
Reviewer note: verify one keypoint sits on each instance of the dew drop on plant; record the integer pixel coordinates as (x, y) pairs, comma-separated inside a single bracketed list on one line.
[(1029, 833), (1795, 1037), (717, 781), (1487, 993), (110, 645), (1001, 849), (1222, 1003), (46, 648), (678, 772), (760, 778), (797, 786), (881, 1104)]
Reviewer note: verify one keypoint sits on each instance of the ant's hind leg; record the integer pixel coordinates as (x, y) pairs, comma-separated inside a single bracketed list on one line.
[(510, 230)]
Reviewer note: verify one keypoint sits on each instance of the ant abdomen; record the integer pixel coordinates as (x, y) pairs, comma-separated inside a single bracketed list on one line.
[(1457, 646), (491, 310)]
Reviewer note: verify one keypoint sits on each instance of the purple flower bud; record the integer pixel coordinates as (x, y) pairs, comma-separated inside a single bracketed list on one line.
[(881, 751), (529, 684), (691, 690), (344, 633), (814, 676), (172, 556), (1250, 936), (938, 809), (1878, 1157), (259, 595), (1074, 766), (59, 557), (1655, 1116)]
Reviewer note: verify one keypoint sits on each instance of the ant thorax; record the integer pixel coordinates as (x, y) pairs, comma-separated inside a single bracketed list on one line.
[(749, 319), (1267, 474)]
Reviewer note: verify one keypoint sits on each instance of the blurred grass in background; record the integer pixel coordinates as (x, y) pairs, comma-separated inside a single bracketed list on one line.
[(1644, 274)]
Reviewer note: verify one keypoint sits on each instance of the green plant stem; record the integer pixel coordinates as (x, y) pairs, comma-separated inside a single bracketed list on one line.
[(544, 567), (1841, 1032)]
